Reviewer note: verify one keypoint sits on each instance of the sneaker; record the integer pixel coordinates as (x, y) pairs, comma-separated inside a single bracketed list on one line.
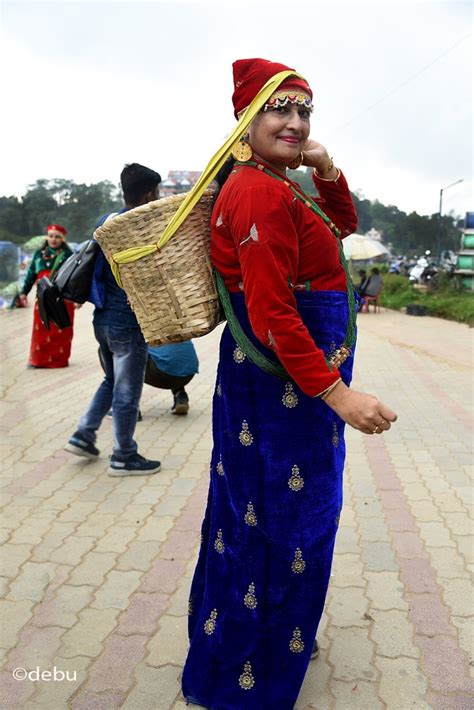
[(180, 403), (139, 416), (315, 650), (135, 465), (79, 447)]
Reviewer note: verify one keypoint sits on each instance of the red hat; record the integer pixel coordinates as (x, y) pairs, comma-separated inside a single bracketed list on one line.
[(251, 74), (56, 228)]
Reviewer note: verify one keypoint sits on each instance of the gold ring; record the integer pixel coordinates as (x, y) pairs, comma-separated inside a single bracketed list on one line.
[(376, 430)]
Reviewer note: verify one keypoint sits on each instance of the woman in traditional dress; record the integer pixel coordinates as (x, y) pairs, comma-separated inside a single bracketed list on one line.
[(49, 348), (276, 471)]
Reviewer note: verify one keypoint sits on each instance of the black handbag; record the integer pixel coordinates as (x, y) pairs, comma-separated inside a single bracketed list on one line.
[(73, 278), (51, 306)]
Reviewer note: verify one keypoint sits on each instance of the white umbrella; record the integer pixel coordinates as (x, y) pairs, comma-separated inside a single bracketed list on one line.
[(358, 247)]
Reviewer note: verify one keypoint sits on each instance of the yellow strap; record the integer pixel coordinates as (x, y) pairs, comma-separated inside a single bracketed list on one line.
[(215, 164)]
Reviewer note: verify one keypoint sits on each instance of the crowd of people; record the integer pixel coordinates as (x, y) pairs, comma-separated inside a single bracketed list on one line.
[(275, 489)]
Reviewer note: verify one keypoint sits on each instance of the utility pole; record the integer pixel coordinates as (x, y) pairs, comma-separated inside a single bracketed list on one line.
[(438, 250)]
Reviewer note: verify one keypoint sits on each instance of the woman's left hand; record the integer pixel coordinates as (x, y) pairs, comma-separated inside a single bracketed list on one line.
[(316, 156)]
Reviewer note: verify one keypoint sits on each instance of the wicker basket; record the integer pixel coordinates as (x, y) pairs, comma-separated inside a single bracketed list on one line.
[(172, 292)]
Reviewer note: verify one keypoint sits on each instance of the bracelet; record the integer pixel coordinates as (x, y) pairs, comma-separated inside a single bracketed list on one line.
[(329, 167), (329, 389), (328, 179)]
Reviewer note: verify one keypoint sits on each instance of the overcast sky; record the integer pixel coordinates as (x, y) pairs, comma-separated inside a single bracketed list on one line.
[(93, 85)]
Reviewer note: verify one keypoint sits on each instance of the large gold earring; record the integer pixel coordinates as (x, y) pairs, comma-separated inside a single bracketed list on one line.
[(295, 164), (242, 151)]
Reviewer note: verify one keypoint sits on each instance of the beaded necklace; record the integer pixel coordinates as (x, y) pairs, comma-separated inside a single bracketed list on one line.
[(342, 353)]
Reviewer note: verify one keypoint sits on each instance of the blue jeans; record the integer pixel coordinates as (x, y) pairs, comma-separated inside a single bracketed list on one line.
[(124, 354)]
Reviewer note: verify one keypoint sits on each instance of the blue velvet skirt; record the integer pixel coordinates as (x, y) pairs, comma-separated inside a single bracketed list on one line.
[(268, 535)]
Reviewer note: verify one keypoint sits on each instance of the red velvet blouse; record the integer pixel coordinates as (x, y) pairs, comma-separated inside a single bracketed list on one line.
[(268, 243)]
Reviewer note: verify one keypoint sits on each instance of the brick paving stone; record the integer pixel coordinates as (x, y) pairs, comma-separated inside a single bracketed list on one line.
[(138, 556), (93, 568), (163, 576), (32, 580), (116, 590), (347, 540), (55, 695), (62, 609), (429, 615), (385, 591), (314, 691), (402, 685), (348, 607), (116, 539), (418, 575), (392, 634), (465, 546), (171, 505), (87, 636), (155, 688), (347, 571), (13, 616), (155, 528), (36, 647), (103, 701), (351, 653), (456, 701), (447, 562), (458, 595), (373, 530), (435, 534), (445, 665), (358, 695), (14, 694), (114, 669), (51, 541), (12, 558), (72, 550), (378, 556), (142, 614), (170, 644)]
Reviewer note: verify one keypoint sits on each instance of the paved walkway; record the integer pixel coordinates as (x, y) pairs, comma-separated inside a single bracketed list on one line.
[(96, 570)]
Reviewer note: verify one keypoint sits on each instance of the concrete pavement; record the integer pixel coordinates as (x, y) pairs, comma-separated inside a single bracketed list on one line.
[(96, 570)]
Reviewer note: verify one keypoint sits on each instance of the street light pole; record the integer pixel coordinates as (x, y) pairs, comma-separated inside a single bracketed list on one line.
[(440, 212)]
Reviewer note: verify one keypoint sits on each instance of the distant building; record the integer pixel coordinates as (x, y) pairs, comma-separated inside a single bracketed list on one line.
[(374, 234), (178, 181)]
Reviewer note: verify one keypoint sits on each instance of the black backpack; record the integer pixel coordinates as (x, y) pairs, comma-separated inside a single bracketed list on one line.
[(73, 278)]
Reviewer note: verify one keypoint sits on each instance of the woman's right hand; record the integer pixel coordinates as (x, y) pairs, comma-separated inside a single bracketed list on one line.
[(360, 410)]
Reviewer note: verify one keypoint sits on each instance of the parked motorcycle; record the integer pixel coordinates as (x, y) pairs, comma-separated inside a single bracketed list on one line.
[(423, 271)]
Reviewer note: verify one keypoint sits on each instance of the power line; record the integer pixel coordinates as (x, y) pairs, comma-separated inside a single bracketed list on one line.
[(404, 83)]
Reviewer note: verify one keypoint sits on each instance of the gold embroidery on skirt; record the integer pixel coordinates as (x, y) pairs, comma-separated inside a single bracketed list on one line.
[(290, 398), (219, 389), (210, 625), (250, 517), (245, 437), (190, 606), (296, 644), (239, 355), (295, 481), (220, 467), (246, 680), (219, 543), (298, 565), (335, 435), (250, 600)]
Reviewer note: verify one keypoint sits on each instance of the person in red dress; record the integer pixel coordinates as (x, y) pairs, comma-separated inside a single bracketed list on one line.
[(49, 348)]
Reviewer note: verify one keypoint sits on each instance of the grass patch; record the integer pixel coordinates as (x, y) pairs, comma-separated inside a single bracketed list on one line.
[(444, 302)]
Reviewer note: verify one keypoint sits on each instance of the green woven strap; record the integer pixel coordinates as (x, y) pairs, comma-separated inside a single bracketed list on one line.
[(245, 344)]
